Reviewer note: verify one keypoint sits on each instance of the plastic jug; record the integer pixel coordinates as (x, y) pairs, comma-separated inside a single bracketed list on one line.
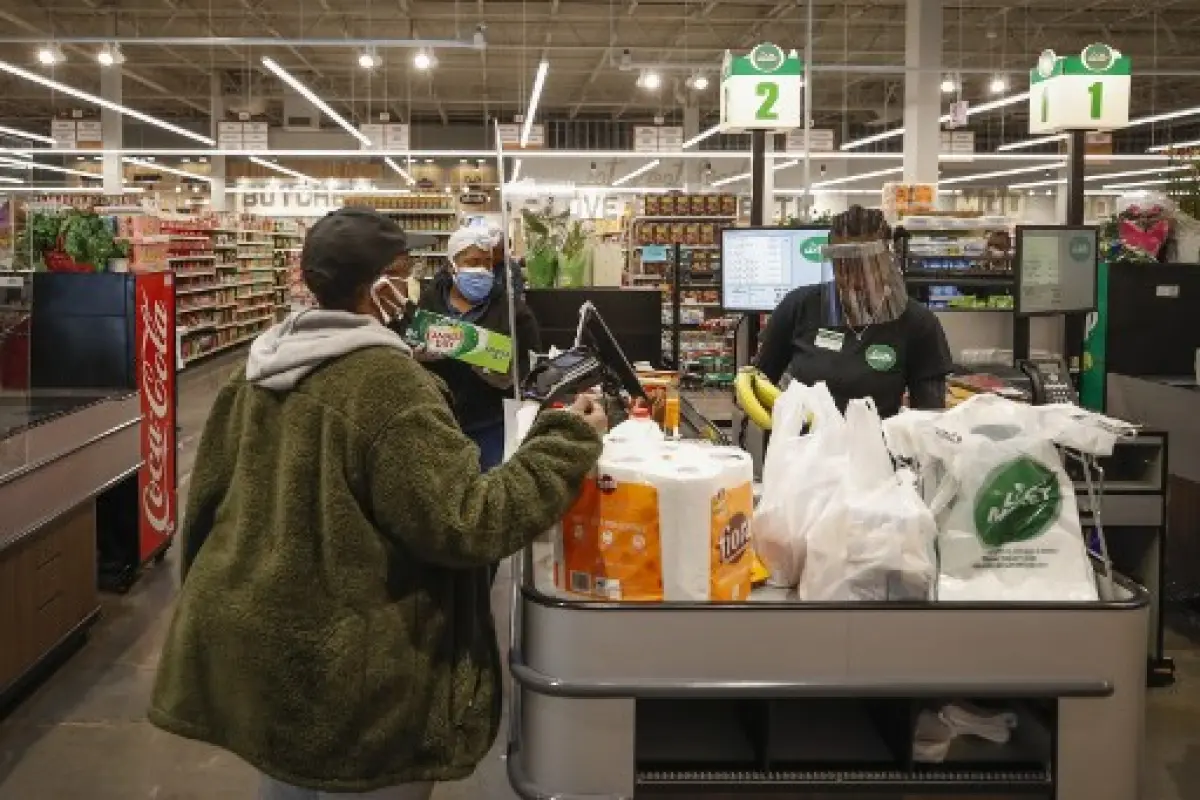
[(640, 427)]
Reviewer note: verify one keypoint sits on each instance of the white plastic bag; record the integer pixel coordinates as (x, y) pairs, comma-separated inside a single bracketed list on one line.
[(1008, 521), (800, 471), (874, 538)]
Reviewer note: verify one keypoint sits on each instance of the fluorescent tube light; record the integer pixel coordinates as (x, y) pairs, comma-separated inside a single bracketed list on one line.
[(1003, 173), (516, 171), (791, 162), (879, 173), (34, 137), (262, 162), (1162, 148), (982, 108), (401, 171), (6, 179), (701, 136), (164, 168), (15, 164), (1150, 120), (1021, 145), (74, 190), (1137, 184), (730, 179), (639, 171), (538, 82), (308, 95), (79, 94)]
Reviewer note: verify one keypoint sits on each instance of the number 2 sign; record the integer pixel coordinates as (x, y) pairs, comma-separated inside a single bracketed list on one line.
[(762, 90), (1085, 92)]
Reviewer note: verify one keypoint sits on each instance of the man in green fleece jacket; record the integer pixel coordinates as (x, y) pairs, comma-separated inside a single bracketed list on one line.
[(334, 626)]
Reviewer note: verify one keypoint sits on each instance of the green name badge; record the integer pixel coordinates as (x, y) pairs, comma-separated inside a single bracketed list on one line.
[(453, 338)]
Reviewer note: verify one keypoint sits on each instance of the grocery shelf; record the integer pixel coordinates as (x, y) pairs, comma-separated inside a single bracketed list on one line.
[(684, 246), (204, 256), (687, 218), (418, 212)]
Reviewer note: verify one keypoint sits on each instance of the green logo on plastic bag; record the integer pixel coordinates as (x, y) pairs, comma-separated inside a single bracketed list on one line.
[(810, 249), (1017, 502), (881, 357)]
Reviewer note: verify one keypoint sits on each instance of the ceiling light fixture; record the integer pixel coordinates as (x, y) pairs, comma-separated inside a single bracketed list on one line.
[(262, 162), (700, 82), (13, 163), (649, 80), (639, 171), (369, 59), (399, 170), (1137, 185), (79, 94), (1003, 173), (999, 85), (700, 137), (879, 173), (539, 81), (423, 60), (949, 85), (730, 179), (982, 108), (35, 137), (50, 54), (149, 164), (110, 55), (791, 162), (5, 179), (1021, 145), (308, 95)]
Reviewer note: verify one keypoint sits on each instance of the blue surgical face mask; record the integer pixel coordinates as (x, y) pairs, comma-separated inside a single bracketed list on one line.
[(475, 285)]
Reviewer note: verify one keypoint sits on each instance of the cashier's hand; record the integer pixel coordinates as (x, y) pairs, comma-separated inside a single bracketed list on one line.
[(592, 410), (421, 353)]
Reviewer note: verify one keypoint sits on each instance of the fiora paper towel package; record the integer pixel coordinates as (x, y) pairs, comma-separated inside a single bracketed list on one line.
[(455, 338), (667, 521)]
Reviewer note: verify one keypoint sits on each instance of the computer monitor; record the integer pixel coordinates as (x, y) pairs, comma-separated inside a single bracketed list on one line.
[(1056, 268), (759, 266)]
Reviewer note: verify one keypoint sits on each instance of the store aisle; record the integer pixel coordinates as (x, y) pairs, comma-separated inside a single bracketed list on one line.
[(83, 733)]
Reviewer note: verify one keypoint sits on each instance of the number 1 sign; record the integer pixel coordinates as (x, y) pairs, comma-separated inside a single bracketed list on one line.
[(761, 90), (1089, 91)]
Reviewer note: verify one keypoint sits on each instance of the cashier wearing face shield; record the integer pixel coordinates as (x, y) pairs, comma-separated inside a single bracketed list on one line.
[(859, 331), (473, 290)]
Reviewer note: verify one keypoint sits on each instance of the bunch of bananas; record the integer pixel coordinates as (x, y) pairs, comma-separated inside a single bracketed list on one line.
[(755, 395)]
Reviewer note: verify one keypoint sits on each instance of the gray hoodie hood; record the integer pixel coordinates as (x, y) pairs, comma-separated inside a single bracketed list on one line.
[(286, 353)]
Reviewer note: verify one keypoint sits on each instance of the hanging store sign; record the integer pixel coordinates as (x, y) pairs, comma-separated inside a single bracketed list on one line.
[(958, 143), (1089, 91), (291, 203), (510, 136), (761, 90), (243, 136), (652, 139), (386, 136), (821, 139)]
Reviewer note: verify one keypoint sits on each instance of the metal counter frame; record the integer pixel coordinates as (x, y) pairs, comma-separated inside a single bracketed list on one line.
[(579, 668)]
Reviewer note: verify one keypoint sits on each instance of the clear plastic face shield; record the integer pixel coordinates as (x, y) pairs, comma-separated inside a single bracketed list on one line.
[(863, 284)]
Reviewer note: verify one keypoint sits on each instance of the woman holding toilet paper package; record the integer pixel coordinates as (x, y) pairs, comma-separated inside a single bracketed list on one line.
[(859, 332), (472, 289)]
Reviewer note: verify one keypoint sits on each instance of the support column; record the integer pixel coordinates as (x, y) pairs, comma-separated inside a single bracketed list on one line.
[(692, 167), (110, 130), (216, 163), (922, 90), (1076, 165)]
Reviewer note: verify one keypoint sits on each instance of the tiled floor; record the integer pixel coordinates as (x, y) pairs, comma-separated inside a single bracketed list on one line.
[(83, 733)]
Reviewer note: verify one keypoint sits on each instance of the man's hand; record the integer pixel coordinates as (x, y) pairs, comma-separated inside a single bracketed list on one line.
[(592, 411)]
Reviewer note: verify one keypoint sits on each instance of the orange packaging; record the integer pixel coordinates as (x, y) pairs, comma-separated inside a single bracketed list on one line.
[(732, 556), (577, 563)]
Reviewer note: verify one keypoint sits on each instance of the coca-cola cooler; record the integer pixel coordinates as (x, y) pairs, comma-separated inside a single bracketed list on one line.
[(116, 331)]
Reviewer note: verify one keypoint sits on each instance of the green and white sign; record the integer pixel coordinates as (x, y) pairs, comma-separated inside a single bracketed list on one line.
[(761, 90), (810, 248), (1089, 91), (1018, 501)]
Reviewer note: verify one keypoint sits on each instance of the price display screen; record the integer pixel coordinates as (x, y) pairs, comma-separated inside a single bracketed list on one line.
[(1056, 269), (759, 266)]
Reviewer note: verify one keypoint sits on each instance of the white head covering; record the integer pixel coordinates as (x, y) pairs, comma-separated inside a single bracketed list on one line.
[(463, 238)]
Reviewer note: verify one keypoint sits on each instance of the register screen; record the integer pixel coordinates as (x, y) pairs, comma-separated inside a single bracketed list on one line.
[(761, 265)]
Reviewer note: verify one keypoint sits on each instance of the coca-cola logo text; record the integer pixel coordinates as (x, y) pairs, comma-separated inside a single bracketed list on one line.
[(156, 377)]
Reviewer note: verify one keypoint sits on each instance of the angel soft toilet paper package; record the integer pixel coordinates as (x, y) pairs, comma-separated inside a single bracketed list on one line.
[(663, 521)]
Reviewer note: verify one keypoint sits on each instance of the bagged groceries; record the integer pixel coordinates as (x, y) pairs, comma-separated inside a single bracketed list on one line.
[(660, 521), (873, 539), (1007, 517), (800, 470)]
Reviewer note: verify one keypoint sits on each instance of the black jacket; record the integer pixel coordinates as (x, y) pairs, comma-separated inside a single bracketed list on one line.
[(478, 403)]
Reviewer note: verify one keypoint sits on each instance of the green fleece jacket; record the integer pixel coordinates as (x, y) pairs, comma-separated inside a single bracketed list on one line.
[(334, 629)]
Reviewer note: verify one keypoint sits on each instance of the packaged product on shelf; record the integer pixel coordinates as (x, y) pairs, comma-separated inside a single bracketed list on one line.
[(708, 233), (677, 231), (1009, 527), (651, 205), (712, 205), (697, 205), (667, 521), (691, 233), (728, 205)]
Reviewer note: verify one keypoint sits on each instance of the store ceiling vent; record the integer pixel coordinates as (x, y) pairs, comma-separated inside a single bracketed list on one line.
[(298, 113)]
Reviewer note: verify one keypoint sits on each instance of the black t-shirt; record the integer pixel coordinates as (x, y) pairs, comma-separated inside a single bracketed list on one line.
[(881, 361)]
